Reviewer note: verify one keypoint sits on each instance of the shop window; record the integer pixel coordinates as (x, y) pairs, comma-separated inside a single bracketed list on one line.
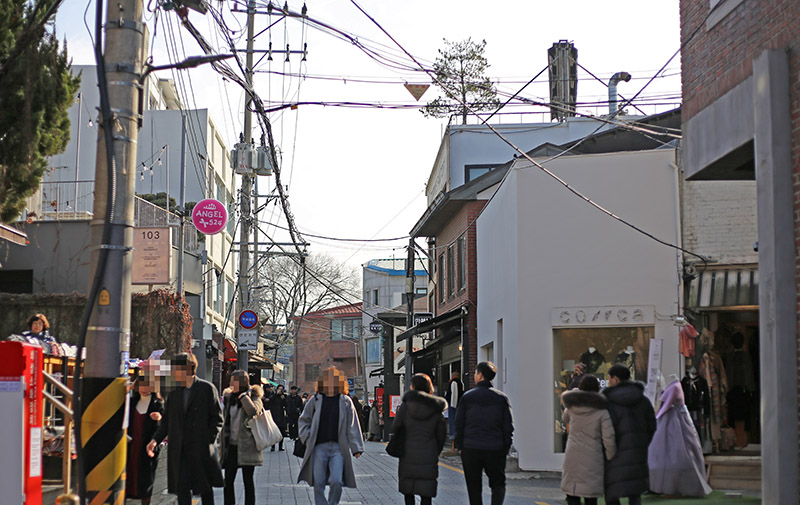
[(597, 349)]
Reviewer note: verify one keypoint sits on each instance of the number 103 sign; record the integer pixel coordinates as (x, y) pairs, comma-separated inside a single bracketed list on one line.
[(209, 216)]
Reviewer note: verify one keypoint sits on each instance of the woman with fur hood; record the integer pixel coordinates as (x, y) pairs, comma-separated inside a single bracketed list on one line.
[(590, 443), (421, 418), (242, 404)]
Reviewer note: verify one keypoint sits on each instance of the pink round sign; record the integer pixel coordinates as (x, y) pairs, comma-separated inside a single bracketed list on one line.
[(209, 216)]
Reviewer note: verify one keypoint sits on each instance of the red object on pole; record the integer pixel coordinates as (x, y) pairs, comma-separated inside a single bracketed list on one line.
[(21, 385)]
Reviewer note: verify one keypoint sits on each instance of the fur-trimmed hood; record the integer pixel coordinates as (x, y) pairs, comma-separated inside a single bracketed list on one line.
[(578, 398), (256, 392), (423, 405)]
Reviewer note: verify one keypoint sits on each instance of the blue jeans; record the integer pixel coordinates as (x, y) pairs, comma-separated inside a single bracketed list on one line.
[(328, 468), (451, 418)]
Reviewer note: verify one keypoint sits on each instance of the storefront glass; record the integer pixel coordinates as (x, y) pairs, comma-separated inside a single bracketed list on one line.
[(595, 350)]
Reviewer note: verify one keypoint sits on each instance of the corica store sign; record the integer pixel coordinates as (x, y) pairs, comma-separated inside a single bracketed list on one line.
[(618, 315)]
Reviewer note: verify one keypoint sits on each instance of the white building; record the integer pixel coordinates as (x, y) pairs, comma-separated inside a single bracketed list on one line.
[(557, 277)]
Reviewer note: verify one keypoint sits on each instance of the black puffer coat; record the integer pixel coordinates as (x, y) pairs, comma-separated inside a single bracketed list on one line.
[(420, 416), (634, 425)]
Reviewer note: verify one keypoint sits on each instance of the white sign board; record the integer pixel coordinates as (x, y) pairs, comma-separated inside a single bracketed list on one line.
[(248, 340), (152, 263), (653, 369), (610, 315)]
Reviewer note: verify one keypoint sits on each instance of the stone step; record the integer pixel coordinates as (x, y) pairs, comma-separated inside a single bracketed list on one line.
[(735, 483)]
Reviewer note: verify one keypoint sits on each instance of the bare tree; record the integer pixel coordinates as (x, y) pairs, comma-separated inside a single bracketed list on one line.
[(288, 290)]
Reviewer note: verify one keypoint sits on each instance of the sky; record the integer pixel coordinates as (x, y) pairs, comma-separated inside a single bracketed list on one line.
[(360, 172)]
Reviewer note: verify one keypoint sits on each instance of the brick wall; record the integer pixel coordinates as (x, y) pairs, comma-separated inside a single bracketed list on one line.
[(717, 60), (463, 223), (315, 347), (720, 221)]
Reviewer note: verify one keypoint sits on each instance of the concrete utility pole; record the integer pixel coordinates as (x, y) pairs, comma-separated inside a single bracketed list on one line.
[(247, 180), (410, 308), (108, 336)]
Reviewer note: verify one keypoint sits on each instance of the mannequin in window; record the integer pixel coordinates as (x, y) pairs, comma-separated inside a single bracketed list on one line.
[(696, 395), (592, 359), (628, 358)]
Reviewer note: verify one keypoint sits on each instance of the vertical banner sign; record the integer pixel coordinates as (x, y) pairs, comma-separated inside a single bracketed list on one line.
[(209, 216), (653, 369), (151, 256), (393, 406)]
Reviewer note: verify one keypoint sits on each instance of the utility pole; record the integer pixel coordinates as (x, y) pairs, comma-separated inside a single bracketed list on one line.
[(103, 393), (247, 179), (410, 309), (181, 205)]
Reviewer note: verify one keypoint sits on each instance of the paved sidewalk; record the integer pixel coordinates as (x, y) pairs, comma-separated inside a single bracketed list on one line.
[(376, 475)]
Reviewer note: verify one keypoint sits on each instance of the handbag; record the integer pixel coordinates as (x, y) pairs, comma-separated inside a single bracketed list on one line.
[(299, 448), (396, 446), (265, 432)]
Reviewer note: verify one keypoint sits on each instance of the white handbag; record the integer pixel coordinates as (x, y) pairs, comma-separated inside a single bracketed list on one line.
[(265, 432)]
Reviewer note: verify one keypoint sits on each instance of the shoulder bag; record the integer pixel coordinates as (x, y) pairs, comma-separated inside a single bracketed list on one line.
[(265, 432), (396, 446)]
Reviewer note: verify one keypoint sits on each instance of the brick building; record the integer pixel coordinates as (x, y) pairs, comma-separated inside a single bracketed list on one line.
[(327, 338), (741, 121)]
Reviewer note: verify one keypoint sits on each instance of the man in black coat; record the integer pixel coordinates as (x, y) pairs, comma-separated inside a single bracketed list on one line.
[(192, 420), (627, 475), (294, 407), (484, 429)]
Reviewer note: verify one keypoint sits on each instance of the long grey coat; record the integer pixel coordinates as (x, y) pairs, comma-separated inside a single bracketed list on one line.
[(350, 440), (590, 432), (247, 452)]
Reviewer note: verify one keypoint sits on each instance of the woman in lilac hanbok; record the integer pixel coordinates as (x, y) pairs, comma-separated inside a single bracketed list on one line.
[(676, 456)]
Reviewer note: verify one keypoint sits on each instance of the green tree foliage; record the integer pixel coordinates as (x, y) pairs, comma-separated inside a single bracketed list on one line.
[(36, 92), (160, 199), (460, 68)]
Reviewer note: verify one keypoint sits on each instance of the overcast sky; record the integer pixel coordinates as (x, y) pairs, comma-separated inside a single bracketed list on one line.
[(360, 172)]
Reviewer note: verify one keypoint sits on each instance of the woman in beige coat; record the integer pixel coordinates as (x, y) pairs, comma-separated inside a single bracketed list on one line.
[(590, 442)]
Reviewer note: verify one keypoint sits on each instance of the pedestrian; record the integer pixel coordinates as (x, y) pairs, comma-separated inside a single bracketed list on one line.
[(634, 425), (38, 332), (192, 420), (590, 443), (375, 422), (239, 450), (145, 413), (453, 394), (359, 409), (294, 407), (305, 399), (277, 407), (483, 432), (420, 421), (329, 429)]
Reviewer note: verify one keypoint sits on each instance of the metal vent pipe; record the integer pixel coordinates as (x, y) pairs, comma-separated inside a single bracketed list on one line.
[(612, 90)]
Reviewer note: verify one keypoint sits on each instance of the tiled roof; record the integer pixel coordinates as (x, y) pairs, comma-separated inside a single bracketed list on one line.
[(342, 310)]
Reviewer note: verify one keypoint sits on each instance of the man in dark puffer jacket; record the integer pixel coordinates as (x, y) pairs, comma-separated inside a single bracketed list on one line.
[(627, 475)]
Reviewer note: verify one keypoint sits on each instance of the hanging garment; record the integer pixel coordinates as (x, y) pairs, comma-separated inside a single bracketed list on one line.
[(686, 344), (696, 396), (713, 372), (675, 456)]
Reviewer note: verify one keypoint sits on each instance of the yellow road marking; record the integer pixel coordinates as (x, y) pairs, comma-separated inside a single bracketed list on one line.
[(451, 468)]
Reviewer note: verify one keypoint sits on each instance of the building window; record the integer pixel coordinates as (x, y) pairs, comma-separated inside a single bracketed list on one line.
[(231, 211), (375, 297), (421, 291), (230, 297), (472, 172), (451, 267), (219, 291), (440, 278), (462, 262), (373, 350), (312, 372), (345, 328)]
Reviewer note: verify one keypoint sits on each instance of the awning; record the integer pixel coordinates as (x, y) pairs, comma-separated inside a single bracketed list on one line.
[(731, 288), (435, 323)]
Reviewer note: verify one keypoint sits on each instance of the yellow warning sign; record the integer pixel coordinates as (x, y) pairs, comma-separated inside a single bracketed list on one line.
[(104, 298), (417, 90)]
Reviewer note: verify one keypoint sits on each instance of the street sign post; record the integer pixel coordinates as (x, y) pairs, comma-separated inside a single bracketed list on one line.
[(248, 340)]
